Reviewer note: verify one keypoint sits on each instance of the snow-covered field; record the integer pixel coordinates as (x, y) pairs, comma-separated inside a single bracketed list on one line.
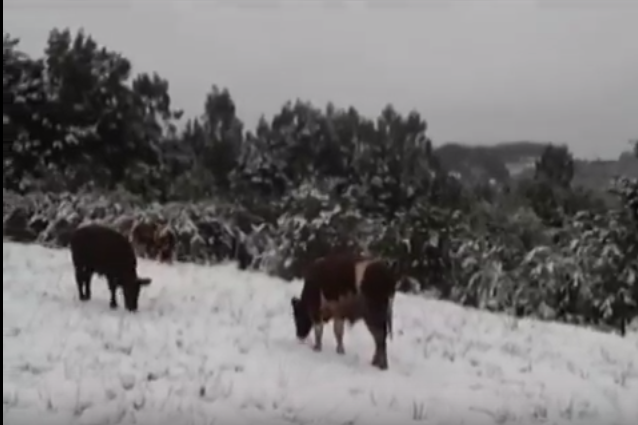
[(212, 345)]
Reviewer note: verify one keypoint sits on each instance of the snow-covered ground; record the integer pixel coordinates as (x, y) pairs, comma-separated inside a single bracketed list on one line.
[(212, 345)]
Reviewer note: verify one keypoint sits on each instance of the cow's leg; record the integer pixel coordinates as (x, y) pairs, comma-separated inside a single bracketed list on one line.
[(315, 312), (317, 326), (375, 320), (82, 280), (79, 281), (87, 285), (166, 256), (389, 316), (623, 326), (134, 242), (170, 255), (338, 326), (318, 331), (146, 248), (113, 289), (156, 254), (380, 358)]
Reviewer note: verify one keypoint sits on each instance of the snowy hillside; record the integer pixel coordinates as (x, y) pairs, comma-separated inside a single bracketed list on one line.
[(214, 345)]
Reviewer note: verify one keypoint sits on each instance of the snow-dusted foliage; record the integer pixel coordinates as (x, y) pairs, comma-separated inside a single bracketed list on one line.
[(583, 274), (85, 142)]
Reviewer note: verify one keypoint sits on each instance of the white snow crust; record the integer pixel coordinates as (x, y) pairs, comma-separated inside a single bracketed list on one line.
[(213, 345)]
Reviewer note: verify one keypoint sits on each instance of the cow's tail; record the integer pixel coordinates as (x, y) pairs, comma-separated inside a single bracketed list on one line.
[(389, 314)]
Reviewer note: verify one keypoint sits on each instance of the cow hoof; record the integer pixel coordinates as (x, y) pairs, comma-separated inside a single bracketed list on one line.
[(316, 348), (341, 350), (113, 306), (380, 363)]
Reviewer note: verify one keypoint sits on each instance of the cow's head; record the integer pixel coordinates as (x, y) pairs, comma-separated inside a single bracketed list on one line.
[(132, 290), (303, 324)]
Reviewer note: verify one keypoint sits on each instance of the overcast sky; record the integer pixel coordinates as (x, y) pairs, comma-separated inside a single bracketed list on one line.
[(478, 70)]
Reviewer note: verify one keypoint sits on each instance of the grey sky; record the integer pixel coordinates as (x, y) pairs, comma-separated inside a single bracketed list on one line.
[(478, 70)]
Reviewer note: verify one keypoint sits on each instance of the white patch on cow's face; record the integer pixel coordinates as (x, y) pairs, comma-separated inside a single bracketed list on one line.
[(360, 271)]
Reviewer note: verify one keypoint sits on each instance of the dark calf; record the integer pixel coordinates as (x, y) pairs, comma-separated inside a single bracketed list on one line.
[(347, 289), (106, 252)]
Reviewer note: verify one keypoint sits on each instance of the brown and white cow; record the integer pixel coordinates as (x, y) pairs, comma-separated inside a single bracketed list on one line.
[(347, 288)]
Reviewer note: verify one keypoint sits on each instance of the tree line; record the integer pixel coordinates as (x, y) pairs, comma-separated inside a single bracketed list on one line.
[(78, 118)]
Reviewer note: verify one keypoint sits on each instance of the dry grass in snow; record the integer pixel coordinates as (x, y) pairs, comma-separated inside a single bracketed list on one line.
[(212, 345)]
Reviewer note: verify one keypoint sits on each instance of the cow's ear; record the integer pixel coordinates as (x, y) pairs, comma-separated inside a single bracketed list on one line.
[(144, 281)]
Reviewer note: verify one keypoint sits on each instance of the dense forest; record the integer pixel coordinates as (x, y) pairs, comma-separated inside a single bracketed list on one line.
[(85, 137)]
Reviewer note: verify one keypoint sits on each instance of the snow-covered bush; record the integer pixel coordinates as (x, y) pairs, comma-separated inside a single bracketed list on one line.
[(205, 233), (582, 274)]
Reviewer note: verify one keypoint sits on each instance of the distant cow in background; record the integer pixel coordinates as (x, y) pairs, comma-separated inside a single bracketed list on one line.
[(347, 288), (142, 237), (102, 250), (165, 243), (153, 239)]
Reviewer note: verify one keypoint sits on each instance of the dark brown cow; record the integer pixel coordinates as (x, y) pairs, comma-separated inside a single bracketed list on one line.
[(102, 250), (347, 288)]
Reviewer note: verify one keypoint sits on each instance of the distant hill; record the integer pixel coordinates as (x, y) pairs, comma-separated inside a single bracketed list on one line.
[(481, 163), (504, 161), (597, 174)]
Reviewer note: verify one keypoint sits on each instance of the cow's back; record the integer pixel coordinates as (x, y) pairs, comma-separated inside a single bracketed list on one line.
[(331, 277), (103, 250), (378, 282)]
